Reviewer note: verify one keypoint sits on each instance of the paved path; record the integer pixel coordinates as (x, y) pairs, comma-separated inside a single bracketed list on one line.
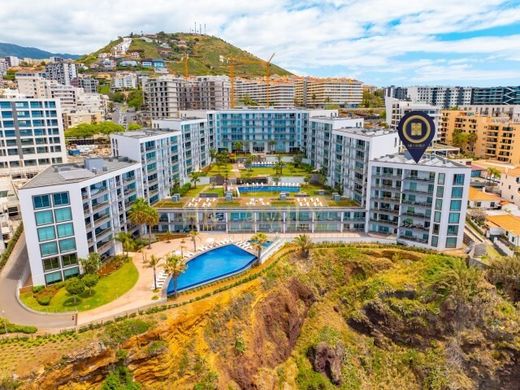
[(10, 308)]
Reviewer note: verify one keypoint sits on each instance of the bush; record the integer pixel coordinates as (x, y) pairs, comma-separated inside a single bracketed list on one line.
[(119, 332), (37, 289), (14, 328), (43, 300), (5, 255)]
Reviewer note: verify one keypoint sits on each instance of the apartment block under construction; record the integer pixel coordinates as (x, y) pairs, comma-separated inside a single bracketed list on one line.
[(320, 92), (497, 138)]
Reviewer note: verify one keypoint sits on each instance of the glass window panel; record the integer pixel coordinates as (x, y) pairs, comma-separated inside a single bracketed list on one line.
[(50, 264), (63, 215), (65, 230), (67, 245), (61, 199), (46, 233), (48, 249), (53, 277), (44, 217), (41, 201)]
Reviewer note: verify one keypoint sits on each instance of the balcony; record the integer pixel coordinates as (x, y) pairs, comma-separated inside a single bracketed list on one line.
[(414, 227), (413, 238)]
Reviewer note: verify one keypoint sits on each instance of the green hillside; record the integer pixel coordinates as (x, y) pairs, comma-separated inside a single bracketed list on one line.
[(207, 54)]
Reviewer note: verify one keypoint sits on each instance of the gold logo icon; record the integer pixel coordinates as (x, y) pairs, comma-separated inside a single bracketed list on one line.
[(416, 130)]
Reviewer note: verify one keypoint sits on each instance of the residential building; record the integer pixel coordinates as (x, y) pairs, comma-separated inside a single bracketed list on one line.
[(62, 71), (74, 118), (497, 110), (3, 66), (510, 185), (478, 199), (72, 210), (398, 93), (12, 61), (424, 204), (444, 97), (504, 230), (496, 137), (159, 153), (496, 95), (322, 92), (124, 80), (31, 135), (396, 109), (89, 84), (254, 92), (163, 96), (206, 93)]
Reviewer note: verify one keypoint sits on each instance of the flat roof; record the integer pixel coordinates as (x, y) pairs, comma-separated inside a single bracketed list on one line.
[(429, 160), (515, 172), (508, 222), (477, 195), (75, 173), (145, 133), (372, 132)]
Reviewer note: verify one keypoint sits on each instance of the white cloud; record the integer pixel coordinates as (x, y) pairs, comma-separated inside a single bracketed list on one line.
[(350, 37)]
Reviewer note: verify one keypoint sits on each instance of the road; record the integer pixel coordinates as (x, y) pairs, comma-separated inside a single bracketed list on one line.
[(10, 308)]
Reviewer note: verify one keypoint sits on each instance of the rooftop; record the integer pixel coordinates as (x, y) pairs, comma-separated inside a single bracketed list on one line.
[(476, 195), (507, 222), (374, 132), (428, 160), (144, 133), (75, 173)]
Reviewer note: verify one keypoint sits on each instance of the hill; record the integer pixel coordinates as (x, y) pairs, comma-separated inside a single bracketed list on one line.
[(207, 54), (10, 49), (372, 317)]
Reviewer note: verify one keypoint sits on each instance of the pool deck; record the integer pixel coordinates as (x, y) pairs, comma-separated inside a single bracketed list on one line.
[(140, 296)]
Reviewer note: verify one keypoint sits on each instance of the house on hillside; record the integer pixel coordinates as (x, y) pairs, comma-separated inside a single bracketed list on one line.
[(483, 200)]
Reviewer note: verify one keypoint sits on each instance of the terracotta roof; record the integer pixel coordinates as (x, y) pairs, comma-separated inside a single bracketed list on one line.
[(477, 195), (513, 172), (507, 222)]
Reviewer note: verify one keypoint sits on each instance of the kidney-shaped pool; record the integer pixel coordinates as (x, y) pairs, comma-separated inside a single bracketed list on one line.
[(213, 265)]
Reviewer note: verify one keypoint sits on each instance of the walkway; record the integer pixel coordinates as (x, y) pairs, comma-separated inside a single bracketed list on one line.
[(10, 308)]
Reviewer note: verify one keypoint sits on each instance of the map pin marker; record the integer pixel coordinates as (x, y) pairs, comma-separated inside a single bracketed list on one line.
[(416, 130)]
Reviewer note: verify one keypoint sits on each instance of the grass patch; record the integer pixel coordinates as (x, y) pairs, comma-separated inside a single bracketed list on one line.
[(108, 289), (166, 203)]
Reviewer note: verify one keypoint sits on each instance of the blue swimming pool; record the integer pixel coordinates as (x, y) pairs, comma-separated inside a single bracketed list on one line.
[(213, 265), (269, 189)]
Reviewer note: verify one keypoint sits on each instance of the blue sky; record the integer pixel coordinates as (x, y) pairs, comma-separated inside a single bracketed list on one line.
[(381, 42)]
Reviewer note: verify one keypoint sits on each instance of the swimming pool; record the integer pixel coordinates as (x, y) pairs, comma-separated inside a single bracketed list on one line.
[(269, 189), (213, 265)]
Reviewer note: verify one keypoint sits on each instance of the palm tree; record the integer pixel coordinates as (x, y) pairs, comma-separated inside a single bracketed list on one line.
[(278, 166), (213, 154), (195, 178), (126, 241), (194, 234), (174, 265), (303, 241), (271, 143), (259, 239), (492, 173), (237, 146), (153, 263), (141, 213)]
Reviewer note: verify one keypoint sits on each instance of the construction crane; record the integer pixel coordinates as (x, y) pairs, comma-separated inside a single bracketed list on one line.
[(232, 62), (186, 64)]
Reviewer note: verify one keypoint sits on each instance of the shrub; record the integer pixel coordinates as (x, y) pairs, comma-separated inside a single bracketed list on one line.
[(119, 332), (14, 328), (44, 300), (37, 289), (75, 287)]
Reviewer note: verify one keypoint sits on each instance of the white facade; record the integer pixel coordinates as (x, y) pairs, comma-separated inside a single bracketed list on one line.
[(444, 97), (396, 109), (124, 80), (163, 96), (61, 71), (495, 110), (31, 135), (281, 94), (70, 211), (319, 92)]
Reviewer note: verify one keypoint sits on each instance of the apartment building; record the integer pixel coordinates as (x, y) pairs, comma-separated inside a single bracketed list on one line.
[(281, 92), (496, 96), (423, 204), (89, 84), (61, 70), (31, 135), (72, 210), (396, 109), (124, 80), (440, 96), (207, 93), (160, 155), (510, 185), (3, 66), (320, 92), (163, 96), (496, 138), (399, 93), (510, 111)]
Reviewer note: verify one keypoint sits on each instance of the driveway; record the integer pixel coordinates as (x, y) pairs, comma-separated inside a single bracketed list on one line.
[(10, 308)]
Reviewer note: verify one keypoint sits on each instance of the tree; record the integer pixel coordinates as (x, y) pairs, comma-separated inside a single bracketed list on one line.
[(276, 179), (141, 213), (75, 287), (237, 146), (504, 272), (278, 166), (134, 126), (213, 153), (297, 160), (195, 178), (174, 265), (272, 144), (126, 241), (153, 263), (303, 241), (492, 173), (194, 234), (90, 281), (258, 240), (135, 99), (91, 264)]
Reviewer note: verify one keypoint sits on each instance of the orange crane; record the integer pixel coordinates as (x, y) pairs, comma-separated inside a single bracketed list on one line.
[(232, 62)]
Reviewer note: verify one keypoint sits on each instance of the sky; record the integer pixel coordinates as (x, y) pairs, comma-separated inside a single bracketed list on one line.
[(380, 42)]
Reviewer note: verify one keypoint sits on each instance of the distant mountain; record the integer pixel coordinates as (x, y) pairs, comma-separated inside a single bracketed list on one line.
[(10, 49), (207, 54)]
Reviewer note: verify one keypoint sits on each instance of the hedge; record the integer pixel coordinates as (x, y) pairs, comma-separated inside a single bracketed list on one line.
[(14, 328), (5, 254)]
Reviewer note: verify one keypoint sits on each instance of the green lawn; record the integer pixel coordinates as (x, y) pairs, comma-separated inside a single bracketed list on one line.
[(215, 170), (288, 170), (108, 289)]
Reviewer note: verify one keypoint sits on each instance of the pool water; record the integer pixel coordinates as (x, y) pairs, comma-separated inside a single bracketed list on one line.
[(213, 265), (269, 189)]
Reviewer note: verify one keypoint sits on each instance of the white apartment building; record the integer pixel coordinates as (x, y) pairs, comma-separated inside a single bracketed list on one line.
[(281, 93), (61, 71), (160, 154), (510, 185), (89, 84), (444, 97), (396, 109), (72, 210), (124, 80), (31, 135), (510, 111), (424, 204), (12, 61), (3, 66), (320, 92)]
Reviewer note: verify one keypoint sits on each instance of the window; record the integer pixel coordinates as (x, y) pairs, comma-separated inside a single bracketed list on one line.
[(67, 245), (456, 192), (438, 204), (46, 233), (454, 218), (437, 216), (440, 192), (43, 217), (453, 230), (455, 205), (435, 241), (65, 230), (69, 259), (50, 264), (458, 179), (440, 178), (48, 249), (41, 201), (63, 215), (69, 273), (61, 199), (451, 242), (53, 277)]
